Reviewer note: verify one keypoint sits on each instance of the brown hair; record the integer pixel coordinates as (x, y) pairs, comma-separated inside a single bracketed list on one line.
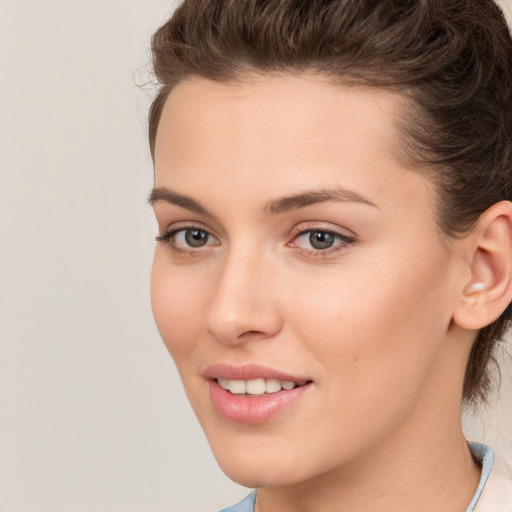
[(451, 59)]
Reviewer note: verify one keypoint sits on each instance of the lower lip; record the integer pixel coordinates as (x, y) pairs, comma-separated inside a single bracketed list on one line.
[(253, 410)]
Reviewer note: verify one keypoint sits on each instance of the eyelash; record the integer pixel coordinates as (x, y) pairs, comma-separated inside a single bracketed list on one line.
[(167, 238), (343, 241)]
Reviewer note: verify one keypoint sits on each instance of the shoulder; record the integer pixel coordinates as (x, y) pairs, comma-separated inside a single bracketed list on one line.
[(497, 493), (246, 505)]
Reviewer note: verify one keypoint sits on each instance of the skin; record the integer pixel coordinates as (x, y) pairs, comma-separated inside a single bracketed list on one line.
[(370, 321)]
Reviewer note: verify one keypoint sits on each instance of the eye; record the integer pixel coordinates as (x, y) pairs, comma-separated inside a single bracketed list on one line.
[(321, 240), (187, 239), (192, 237)]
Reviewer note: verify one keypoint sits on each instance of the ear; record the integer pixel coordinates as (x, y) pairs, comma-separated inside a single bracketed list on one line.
[(488, 291)]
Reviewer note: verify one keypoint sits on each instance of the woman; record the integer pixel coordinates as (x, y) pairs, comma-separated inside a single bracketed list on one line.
[(333, 269)]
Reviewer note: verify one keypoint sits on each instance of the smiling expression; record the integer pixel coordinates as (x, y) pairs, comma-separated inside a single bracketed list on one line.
[(299, 281)]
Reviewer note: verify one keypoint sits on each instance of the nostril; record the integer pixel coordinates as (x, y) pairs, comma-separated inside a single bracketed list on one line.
[(247, 335)]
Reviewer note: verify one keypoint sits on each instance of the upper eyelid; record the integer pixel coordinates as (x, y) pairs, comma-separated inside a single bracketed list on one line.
[(175, 231), (320, 229), (343, 233), (184, 225), (167, 223), (341, 236), (305, 227)]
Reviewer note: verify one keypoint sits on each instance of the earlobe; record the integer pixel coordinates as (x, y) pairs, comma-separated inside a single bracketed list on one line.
[(488, 292)]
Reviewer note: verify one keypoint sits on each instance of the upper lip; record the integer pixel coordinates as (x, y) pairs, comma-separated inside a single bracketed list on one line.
[(248, 372)]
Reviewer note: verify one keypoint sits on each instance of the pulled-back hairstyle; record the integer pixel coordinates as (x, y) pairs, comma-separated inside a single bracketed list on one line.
[(450, 59)]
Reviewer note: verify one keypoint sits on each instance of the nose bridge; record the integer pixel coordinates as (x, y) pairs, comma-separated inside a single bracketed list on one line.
[(243, 306)]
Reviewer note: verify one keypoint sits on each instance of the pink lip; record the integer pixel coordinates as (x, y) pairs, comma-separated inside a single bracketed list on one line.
[(251, 410), (247, 372)]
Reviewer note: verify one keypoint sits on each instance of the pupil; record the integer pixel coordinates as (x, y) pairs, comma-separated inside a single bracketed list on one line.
[(321, 239), (195, 237)]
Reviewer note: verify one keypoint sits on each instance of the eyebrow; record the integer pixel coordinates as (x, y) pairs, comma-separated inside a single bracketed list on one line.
[(336, 194), (159, 194)]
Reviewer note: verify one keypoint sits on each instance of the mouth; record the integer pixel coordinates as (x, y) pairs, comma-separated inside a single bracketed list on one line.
[(253, 394), (259, 386)]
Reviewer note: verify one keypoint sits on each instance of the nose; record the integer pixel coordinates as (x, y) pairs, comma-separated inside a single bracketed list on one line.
[(244, 305)]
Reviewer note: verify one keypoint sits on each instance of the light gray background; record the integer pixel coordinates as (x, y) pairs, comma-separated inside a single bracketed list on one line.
[(92, 414)]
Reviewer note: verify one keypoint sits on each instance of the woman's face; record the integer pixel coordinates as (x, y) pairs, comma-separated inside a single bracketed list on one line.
[(294, 246)]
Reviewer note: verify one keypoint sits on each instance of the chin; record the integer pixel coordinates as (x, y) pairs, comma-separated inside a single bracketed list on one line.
[(257, 474), (256, 461)]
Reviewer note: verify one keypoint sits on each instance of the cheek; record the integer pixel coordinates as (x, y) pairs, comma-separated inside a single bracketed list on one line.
[(378, 330), (176, 308)]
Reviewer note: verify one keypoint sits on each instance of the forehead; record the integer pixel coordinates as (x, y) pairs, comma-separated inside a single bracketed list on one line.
[(274, 135), (279, 109)]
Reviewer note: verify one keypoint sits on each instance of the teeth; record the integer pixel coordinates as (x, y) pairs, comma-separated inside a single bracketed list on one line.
[(223, 383), (257, 386), (272, 386), (237, 387)]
